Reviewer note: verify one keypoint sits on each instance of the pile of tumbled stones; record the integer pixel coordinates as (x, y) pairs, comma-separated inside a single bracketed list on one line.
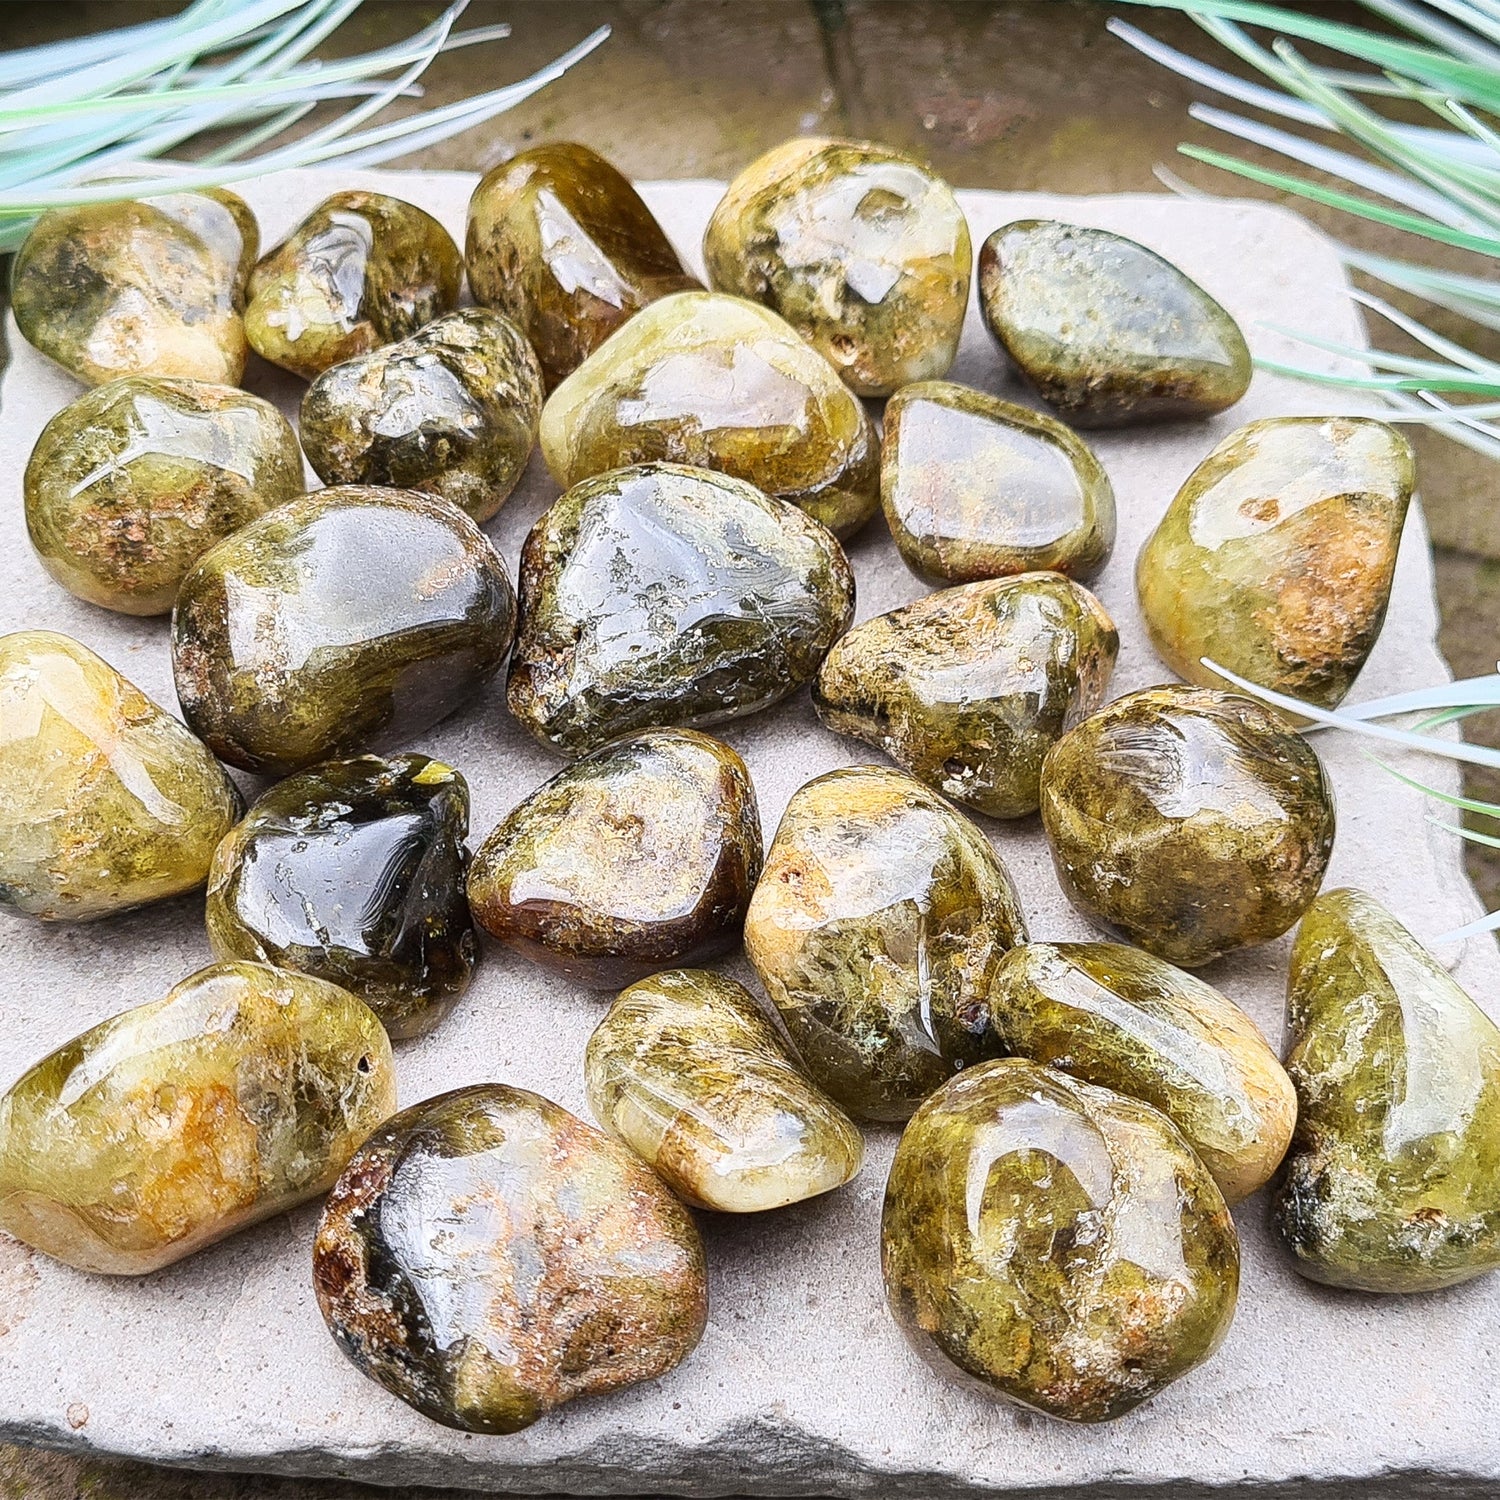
[(1077, 1116)]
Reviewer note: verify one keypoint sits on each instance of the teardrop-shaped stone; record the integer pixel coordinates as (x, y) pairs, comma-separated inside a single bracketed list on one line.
[(1275, 559), (637, 857), (969, 688), (666, 595), (106, 801), (720, 383), (1393, 1181), (862, 249), (361, 270), (976, 487), (687, 1071), (488, 1256), (1060, 1244), (1108, 332), (876, 929)]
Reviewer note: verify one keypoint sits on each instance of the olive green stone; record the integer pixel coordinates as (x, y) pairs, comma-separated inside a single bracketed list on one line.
[(687, 1071), (969, 688), (666, 595), (451, 411), (1058, 1243), (1119, 1018), (345, 620), (876, 930), (1108, 332), (488, 1256), (361, 270), (639, 856), (976, 487), (720, 383), (106, 801), (129, 484), (238, 1095), (1275, 559), (150, 287), (560, 241), (862, 249), (1393, 1181)]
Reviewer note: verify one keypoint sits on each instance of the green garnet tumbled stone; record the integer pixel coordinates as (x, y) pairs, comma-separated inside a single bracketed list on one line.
[(106, 801), (341, 621), (862, 249), (666, 595), (876, 929), (238, 1095), (1107, 331), (969, 688), (976, 487), (1276, 557), (1059, 1243), (637, 857), (720, 383), (688, 1072), (1393, 1181), (488, 1256), (361, 270), (1195, 821)]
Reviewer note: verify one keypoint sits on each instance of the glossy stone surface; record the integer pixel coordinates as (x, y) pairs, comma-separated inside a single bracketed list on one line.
[(969, 688), (131, 483), (488, 1256), (361, 270), (637, 857), (238, 1095), (148, 287), (665, 595), (1195, 821), (354, 872), (1276, 557), (862, 249), (687, 1071), (343, 621), (720, 383), (1393, 1181), (976, 487), (1117, 1017), (560, 241), (1058, 1243), (876, 930), (106, 801), (1108, 332)]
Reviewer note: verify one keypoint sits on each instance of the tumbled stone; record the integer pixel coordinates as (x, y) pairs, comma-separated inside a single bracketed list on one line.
[(345, 620), (1108, 332), (238, 1095), (1393, 1180), (862, 249), (106, 801), (354, 872), (1059, 1243), (131, 483), (720, 383), (876, 930), (1119, 1018), (560, 241), (1275, 559), (637, 857), (361, 270), (665, 595), (488, 1256), (969, 688), (976, 487), (687, 1071)]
